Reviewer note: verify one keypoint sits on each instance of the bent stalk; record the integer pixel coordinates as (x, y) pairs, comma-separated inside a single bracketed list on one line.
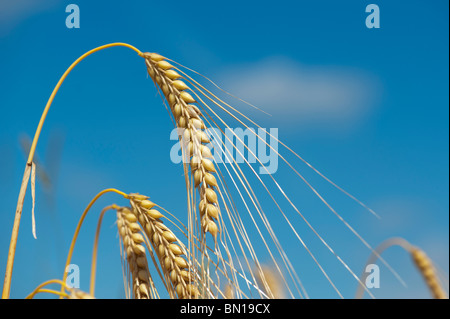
[(24, 185)]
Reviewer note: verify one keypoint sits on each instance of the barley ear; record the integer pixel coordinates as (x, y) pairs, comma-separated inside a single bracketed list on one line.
[(171, 253), (426, 268), (130, 233), (194, 139)]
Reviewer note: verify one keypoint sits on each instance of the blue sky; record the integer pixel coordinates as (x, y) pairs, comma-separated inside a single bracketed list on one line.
[(367, 107)]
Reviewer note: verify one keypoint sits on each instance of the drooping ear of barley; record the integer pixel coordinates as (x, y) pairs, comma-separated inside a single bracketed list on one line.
[(191, 132), (426, 268), (420, 259), (130, 234), (178, 273)]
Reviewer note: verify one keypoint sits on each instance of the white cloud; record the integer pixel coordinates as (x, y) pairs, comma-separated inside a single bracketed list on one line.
[(304, 95)]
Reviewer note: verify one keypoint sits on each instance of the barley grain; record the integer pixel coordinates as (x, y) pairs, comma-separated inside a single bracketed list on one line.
[(426, 268)]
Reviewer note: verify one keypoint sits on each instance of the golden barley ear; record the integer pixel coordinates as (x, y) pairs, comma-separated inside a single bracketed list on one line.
[(132, 239), (426, 268), (178, 273), (189, 121), (26, 176), (66, 292)]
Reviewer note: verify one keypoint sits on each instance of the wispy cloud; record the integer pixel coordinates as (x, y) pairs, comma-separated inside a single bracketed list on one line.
[(305, 95)]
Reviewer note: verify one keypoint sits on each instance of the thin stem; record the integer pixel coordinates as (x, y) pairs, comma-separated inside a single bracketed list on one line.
[(15, 232), (95, 250), (24, 185), (80, 222), (396, 241), (46, 283), (58, 85), (54, 292)]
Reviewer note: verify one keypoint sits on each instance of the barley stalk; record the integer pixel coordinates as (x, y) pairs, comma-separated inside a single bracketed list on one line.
[(25, 179), (80, 223)]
